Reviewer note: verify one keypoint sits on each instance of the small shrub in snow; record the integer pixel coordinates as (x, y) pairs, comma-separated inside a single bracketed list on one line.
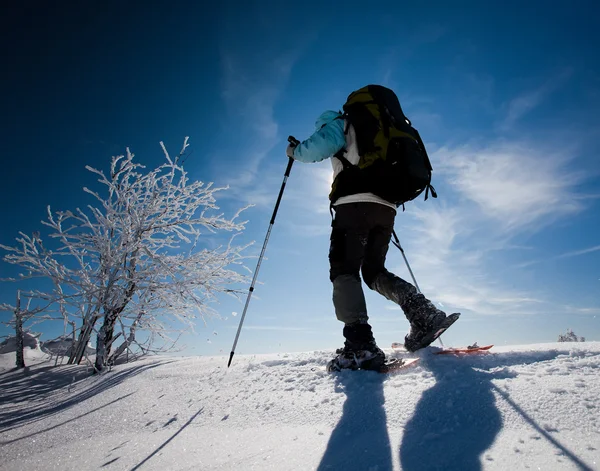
[(570, 336)]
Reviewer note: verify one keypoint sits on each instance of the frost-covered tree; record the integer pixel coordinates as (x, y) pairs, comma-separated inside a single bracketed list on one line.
[(570, 336), (134, 259), (23, 320)]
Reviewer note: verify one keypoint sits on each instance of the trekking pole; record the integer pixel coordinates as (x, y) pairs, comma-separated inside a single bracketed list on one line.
[(396, 242), (291, 140)]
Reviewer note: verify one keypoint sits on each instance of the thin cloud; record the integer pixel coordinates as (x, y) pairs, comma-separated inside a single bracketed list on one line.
[(528, 101), (491, 194), (250, 94), (528, 264), (425, 34), (580, 252), (448, 257), (479, 92), (583, 310), (427, 120), (517, 185), (574, 253)]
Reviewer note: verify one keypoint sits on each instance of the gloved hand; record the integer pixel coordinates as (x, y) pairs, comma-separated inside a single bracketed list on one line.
[(290, 150)]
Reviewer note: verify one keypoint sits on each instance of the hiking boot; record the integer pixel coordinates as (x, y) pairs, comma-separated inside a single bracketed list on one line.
[(365, 357), (424, 320)]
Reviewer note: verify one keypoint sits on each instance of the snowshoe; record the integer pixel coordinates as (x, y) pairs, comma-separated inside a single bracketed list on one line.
[(369, 358)]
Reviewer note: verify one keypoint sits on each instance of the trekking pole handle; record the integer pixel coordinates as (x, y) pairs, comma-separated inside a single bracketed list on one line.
[(295, 142)]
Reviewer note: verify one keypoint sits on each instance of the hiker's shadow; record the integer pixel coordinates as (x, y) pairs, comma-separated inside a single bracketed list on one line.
[(360, 440), (455, 421)]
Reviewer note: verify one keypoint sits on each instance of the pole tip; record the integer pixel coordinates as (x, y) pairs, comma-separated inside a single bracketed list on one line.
[(230, 358)]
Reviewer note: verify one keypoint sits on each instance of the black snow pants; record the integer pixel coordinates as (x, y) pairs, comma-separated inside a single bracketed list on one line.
[(360, 238)]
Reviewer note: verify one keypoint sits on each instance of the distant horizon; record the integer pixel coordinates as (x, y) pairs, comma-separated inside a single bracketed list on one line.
[(225, 355)]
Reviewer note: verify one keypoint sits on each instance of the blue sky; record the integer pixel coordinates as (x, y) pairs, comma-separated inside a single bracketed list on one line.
[(505, 95)]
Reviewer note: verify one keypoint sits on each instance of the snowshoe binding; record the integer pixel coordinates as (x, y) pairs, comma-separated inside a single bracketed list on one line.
[(366, 357)]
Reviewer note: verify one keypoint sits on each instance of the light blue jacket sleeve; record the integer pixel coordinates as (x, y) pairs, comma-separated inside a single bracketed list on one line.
[(325, 142)]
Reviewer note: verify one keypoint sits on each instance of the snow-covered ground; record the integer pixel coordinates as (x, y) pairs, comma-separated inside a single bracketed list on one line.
[(528, 407)]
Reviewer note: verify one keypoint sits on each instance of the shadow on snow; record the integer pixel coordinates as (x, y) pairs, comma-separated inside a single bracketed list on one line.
[(457, 419), (454, 422), (360, 440), (159, 449), (25, 396)]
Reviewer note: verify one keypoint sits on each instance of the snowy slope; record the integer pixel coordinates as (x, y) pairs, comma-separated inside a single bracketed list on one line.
[(529, 407)]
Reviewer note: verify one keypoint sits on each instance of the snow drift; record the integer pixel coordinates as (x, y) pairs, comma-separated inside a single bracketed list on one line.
[(521, 407)]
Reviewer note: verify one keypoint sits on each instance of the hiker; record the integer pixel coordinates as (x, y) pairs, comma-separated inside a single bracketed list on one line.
[(364, 222)]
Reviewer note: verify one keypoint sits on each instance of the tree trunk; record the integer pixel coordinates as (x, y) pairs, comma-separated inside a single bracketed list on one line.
[(84, 337), (127, 342), (19, 333), (105, 339), (105, 335), (79, 348)]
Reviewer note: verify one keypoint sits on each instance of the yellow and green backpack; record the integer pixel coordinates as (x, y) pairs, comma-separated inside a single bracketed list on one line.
[(393, 164)]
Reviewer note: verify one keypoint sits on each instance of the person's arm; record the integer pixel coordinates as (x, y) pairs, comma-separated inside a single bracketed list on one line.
[(322, 144)]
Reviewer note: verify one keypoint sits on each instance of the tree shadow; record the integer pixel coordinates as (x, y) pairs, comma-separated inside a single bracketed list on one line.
[(360, 440), (38, 432), (155, 452), (563, 449), (457, 419), (20, 386), (25, 396)]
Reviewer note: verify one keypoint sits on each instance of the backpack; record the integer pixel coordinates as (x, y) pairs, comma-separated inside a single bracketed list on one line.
[(393, 161)]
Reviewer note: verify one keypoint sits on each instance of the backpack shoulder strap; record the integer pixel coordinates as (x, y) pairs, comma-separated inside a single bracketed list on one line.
[(340, 153), (345, 162)]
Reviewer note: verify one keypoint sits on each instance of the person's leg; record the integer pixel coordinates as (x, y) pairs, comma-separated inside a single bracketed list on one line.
[(420, 312), (374, 272), (349, 237)]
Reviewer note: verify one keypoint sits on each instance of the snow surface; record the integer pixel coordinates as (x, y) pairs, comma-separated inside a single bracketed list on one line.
[(526, 407)]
